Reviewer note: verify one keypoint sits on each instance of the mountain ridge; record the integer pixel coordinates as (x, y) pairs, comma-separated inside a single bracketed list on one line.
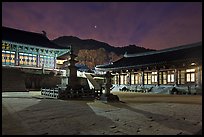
[(90, 44)]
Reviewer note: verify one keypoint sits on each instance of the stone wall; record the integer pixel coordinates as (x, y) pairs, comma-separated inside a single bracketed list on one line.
[(13, 80)]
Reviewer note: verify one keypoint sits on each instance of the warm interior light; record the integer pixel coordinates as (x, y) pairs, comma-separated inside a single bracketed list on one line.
[(192, 64)]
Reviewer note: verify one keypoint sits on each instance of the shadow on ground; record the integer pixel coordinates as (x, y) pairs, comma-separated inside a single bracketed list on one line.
[(167, 121), (60, 117)]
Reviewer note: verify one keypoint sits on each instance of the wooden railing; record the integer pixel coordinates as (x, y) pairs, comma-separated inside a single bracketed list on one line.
[(54, 93), (51, 92)]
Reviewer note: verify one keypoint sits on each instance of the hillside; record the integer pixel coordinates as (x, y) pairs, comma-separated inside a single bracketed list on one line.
[(91, 52), (90, 44)]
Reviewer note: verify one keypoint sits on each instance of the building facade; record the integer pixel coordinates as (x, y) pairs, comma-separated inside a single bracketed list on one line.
[(159, 71), (28, 49), (25, 57)]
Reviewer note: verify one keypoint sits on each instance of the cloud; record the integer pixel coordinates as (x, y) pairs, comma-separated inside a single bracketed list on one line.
[(176, 29), (152, 25)]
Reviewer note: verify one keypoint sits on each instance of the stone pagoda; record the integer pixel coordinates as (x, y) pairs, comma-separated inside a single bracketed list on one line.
[(70, 81), (71, 70)]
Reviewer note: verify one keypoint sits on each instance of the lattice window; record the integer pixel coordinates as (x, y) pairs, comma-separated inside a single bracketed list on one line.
[(154, 77), (190, 75), (170, 77), (181, 77)]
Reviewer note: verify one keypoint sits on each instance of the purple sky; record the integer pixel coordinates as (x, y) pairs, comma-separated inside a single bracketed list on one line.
[(155, 25)]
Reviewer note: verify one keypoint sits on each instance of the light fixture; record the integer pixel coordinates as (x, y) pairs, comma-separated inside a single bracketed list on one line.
[(193, 64)]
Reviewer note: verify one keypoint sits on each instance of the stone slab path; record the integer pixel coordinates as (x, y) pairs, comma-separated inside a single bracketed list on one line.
[(136, 114)]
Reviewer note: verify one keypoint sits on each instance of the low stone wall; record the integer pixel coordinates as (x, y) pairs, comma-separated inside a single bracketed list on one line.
[(13, 80), (50, 81), (162, 89)]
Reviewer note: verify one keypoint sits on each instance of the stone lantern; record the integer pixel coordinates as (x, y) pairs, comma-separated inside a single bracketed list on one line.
[(107, 96)]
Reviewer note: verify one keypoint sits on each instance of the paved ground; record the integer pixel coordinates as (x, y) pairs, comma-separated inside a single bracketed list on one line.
[(136, 114)]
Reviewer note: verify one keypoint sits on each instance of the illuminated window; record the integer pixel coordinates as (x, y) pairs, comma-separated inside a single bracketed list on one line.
[(136, 78), (13, 58), (3, 60), (125, 79), (190, 70), (121, 79), (116, 79), (30, 60), (8, 57), (132, 79), (149, 78), (6, 46), (60, 61), (41, 60), (164, 77), (47, 61), (27, 59), (154, 77), (34, 60), (21, 62), (190, 75), (139, 78), (181, 77), (170, 77), (145, 78), (160, 78)]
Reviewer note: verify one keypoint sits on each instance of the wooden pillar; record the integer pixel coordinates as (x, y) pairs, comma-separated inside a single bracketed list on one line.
[(199, 76), (162, 79), (38, 59), (118, 82), (17, 57), (129, 73), (143, 77), (132, 77), (55, 62), (119, 78), (158, 77), (121, 75), (176, 77)]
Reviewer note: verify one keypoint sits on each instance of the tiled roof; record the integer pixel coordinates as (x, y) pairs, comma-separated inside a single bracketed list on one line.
[(191, 52), (30, 38)]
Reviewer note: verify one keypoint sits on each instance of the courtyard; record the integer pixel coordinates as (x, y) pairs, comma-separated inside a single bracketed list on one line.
[(29, 113)]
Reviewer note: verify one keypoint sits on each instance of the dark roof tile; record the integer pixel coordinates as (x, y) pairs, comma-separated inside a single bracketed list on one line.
[(25, 37), (186, 52)]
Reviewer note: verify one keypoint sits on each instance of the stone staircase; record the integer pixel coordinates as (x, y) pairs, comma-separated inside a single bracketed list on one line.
[(92, 82)]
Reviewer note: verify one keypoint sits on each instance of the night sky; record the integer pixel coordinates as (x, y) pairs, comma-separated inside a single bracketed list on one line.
[(155, 25)]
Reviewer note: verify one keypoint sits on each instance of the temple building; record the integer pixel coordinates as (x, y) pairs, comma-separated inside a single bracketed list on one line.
[(159, 71), (27, 52), (29, 49)]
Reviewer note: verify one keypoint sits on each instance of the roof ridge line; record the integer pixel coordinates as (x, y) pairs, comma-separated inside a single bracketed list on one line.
[(164, 50)]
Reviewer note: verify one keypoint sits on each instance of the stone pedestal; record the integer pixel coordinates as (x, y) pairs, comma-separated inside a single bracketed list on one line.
[(109, 98)]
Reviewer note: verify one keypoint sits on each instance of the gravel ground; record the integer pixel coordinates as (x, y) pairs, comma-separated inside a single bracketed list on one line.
[(135, 114)]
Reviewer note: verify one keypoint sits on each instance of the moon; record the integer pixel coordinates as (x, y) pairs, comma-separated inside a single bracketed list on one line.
[(95, 26)]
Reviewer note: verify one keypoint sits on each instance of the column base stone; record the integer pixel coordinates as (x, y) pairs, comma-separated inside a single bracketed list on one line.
[(109, 98)]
